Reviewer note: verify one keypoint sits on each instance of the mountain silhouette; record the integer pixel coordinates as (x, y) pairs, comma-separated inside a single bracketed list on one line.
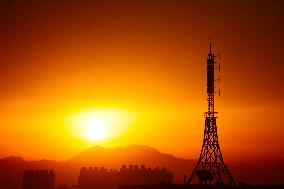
[(133, 155), (67, 172), (12, 168)]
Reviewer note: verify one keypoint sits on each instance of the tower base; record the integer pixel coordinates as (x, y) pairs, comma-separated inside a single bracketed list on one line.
[(211, 168)]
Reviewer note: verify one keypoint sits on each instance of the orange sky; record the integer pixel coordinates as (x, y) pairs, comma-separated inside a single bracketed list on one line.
[(146, 58)]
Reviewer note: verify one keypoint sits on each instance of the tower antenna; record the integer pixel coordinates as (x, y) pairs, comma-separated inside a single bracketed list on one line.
[(210, 168)]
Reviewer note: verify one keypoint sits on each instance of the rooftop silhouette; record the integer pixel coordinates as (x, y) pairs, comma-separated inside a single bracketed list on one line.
[(102, 178)]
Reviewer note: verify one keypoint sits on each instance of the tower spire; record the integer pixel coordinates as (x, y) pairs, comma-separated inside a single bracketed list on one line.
[(210, 168), (210, 44)]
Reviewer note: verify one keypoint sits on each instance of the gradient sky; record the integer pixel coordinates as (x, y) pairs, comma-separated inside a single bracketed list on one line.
[(147, 59)]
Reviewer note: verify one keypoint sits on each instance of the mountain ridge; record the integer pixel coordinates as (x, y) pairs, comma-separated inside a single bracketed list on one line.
[(67, 172), (127, 153)]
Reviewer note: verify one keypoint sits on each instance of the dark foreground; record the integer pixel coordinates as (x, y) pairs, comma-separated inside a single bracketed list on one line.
[(197, 186)]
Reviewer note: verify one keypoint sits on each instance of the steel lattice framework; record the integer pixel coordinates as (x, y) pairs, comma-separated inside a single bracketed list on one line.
[(210, 168)]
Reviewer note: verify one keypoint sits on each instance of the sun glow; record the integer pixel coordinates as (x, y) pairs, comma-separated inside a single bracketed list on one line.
[(96, 129), (97, 125)]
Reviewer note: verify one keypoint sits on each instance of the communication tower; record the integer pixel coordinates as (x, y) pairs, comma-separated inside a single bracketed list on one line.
[(210, 168)]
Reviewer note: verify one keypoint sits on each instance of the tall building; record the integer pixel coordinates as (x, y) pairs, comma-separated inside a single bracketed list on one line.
[(39, 179), (101, 178)]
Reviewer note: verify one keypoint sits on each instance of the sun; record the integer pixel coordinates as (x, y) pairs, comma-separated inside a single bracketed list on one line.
[(95, 129), (100, 124)]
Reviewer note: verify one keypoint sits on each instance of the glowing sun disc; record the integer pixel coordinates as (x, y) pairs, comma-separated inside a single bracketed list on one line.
[(100, 124), (96, 131)]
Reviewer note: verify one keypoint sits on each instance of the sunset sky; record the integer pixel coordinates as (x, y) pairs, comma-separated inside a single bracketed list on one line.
[(140, 68)]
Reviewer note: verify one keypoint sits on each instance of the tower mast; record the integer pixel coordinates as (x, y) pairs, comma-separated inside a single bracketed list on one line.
[(210, 168)]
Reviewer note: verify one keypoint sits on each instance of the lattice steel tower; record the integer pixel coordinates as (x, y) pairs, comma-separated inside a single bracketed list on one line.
[(211, 168)]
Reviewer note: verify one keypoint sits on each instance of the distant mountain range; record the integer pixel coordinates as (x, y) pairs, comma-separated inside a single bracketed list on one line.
[(12, 168), (131, 155), (67, 172)]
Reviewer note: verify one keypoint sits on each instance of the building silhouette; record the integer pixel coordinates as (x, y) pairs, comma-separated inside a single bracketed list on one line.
[(39, 179), (101, 178), (67, 187)]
